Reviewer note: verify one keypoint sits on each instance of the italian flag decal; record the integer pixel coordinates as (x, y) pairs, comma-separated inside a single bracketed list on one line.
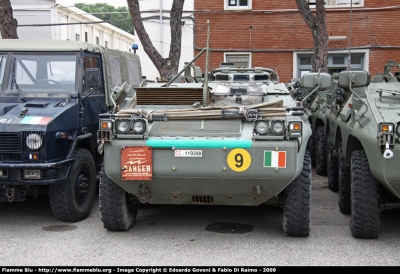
[(274, 158), (35, 120)]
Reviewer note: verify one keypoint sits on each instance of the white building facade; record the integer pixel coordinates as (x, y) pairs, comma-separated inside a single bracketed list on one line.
[(155, 16), (60, 20)]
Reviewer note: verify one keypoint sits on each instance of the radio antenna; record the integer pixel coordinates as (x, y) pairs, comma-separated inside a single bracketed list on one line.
[(351, 18)]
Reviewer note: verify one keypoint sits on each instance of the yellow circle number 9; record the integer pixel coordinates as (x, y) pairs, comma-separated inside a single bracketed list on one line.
[(239, 160)]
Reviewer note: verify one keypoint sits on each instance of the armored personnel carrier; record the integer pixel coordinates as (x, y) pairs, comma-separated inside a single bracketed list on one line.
[(236, 140), (52, 93), (364, 131), (314, 103)]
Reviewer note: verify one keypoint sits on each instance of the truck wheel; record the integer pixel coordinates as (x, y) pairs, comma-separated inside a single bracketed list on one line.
[(311, 149), (118, 212), (297, 203), (320, 152), (73, 200), (365, 193), (344, 184), (332, 168)]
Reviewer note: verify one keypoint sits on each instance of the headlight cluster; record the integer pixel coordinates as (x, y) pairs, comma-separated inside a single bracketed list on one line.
[(386, 133), (130, 126), (266, 127), (34, 141)]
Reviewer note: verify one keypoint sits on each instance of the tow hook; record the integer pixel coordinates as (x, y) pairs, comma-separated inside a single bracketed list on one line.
[(144, 190), (388, 153), (10, 193)]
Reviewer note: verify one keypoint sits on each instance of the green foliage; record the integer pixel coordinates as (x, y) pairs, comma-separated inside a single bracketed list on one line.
[(111, 14)]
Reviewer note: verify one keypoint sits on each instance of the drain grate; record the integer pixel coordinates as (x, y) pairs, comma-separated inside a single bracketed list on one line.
[(232, 228)]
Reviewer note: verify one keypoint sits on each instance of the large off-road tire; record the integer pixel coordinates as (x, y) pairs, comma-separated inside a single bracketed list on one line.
[(320, 152), (118, 211), (333, 167), (311, 149), (344, 184), (365, 198), (297, 203), (73, 200)]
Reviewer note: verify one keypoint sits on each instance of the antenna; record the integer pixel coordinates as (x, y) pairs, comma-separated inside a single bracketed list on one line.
[(351, 18)]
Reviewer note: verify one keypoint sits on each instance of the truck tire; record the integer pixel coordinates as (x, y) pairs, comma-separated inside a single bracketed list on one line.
[(118, 213), (365, 193), (344, 184), (72, 201), (332, 168), (297, 203), (311, 149), (320, 152)]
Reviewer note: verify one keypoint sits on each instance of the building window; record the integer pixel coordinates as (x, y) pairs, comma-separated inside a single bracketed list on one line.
[(338, 3), (238, 4), (77, 37), (86, 37), (106, 44), (97, 40), (240, 60), (336, 62)]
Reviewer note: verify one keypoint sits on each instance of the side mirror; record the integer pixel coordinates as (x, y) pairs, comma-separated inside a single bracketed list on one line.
[(311, 80), (92, 78), (357, 78), (120, 93)]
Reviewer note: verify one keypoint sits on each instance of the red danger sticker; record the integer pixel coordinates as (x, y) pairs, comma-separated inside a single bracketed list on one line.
[(137, 163)]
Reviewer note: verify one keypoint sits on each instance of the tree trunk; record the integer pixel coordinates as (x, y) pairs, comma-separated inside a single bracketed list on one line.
[(318, 31), (8, 24), (161, 64)]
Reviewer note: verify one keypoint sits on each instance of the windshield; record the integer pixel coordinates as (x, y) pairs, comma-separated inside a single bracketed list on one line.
[(2, 67), (42, 75)]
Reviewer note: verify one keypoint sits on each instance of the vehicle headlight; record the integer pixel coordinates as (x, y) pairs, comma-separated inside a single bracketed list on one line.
[(34, 141), (123, 127), (386, 128), (138, 127), (105, 125), (261, 127), (277, 127)]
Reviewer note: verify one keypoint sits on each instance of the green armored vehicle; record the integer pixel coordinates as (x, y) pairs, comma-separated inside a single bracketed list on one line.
[(237, 140), (51, 95), (314, 103), (363, 127)]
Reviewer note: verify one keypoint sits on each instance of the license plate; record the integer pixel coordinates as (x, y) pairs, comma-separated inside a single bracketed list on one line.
[(188, 153)]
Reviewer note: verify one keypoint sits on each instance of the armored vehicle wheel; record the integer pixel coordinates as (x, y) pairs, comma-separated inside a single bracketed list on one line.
[(118, 212), (320, 151), (365, 193), (73, 200), (332, 168), (297, 203), (344, 184), (311, 149)]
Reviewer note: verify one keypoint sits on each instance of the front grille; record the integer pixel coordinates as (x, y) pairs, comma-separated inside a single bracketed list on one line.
[(168, 96), (10, 142), (202, 199)]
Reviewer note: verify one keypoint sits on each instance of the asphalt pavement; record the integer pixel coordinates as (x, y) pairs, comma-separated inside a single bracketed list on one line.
[(182, 235)]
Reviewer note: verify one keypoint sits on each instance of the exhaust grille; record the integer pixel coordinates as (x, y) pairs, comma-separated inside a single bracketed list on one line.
[(168, 96), (202, 199)]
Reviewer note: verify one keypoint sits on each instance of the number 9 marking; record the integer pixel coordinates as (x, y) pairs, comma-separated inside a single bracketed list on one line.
[(239, 160)]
